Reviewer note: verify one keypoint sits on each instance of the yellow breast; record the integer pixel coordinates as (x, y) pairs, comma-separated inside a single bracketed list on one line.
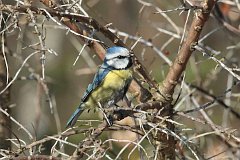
[(114, 83)]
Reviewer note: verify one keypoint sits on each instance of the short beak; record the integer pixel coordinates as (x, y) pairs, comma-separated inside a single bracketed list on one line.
[(131, 54)]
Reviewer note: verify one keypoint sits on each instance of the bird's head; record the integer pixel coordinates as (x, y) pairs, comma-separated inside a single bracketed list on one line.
[(118, 58)]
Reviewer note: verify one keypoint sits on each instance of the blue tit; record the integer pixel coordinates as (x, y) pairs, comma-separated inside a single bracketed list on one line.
[(110, 83)]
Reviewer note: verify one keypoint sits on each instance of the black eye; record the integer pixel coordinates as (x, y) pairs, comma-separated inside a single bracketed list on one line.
[(120, 57)]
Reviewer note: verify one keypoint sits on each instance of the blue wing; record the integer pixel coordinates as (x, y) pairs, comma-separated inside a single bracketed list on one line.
[(98, 78), (72, 120)]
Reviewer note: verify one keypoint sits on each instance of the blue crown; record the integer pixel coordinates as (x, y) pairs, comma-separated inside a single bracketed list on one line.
[(116, 49)]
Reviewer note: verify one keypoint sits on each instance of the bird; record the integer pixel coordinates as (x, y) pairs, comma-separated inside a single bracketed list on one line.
[(109, 84)]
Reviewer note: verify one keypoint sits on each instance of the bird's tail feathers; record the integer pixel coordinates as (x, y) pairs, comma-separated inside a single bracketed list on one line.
[(73, 119)]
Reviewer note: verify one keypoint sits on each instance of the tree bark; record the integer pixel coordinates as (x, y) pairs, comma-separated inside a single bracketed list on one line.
[(167, 142)]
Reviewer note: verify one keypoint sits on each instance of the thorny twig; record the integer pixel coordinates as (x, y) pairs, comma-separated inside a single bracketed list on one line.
[(147, 109)]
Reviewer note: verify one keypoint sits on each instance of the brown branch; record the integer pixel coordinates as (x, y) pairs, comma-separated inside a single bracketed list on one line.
[(49, 138), (167, 143), (214, 99), (36, 157), (69, 21), (80, 151), (224, 134), (179, 65)]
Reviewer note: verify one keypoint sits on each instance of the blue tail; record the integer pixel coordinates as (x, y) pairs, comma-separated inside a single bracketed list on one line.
[(73, 119)]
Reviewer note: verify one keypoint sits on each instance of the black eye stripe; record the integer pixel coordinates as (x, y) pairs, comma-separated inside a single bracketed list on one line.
[(118, 57), (121, 57)]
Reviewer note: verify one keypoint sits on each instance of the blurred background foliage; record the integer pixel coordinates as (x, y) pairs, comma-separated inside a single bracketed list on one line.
[(67, 82)]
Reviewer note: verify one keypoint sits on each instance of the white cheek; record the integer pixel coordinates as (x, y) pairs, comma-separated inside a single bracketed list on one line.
[(110, 62), (118, 64)]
